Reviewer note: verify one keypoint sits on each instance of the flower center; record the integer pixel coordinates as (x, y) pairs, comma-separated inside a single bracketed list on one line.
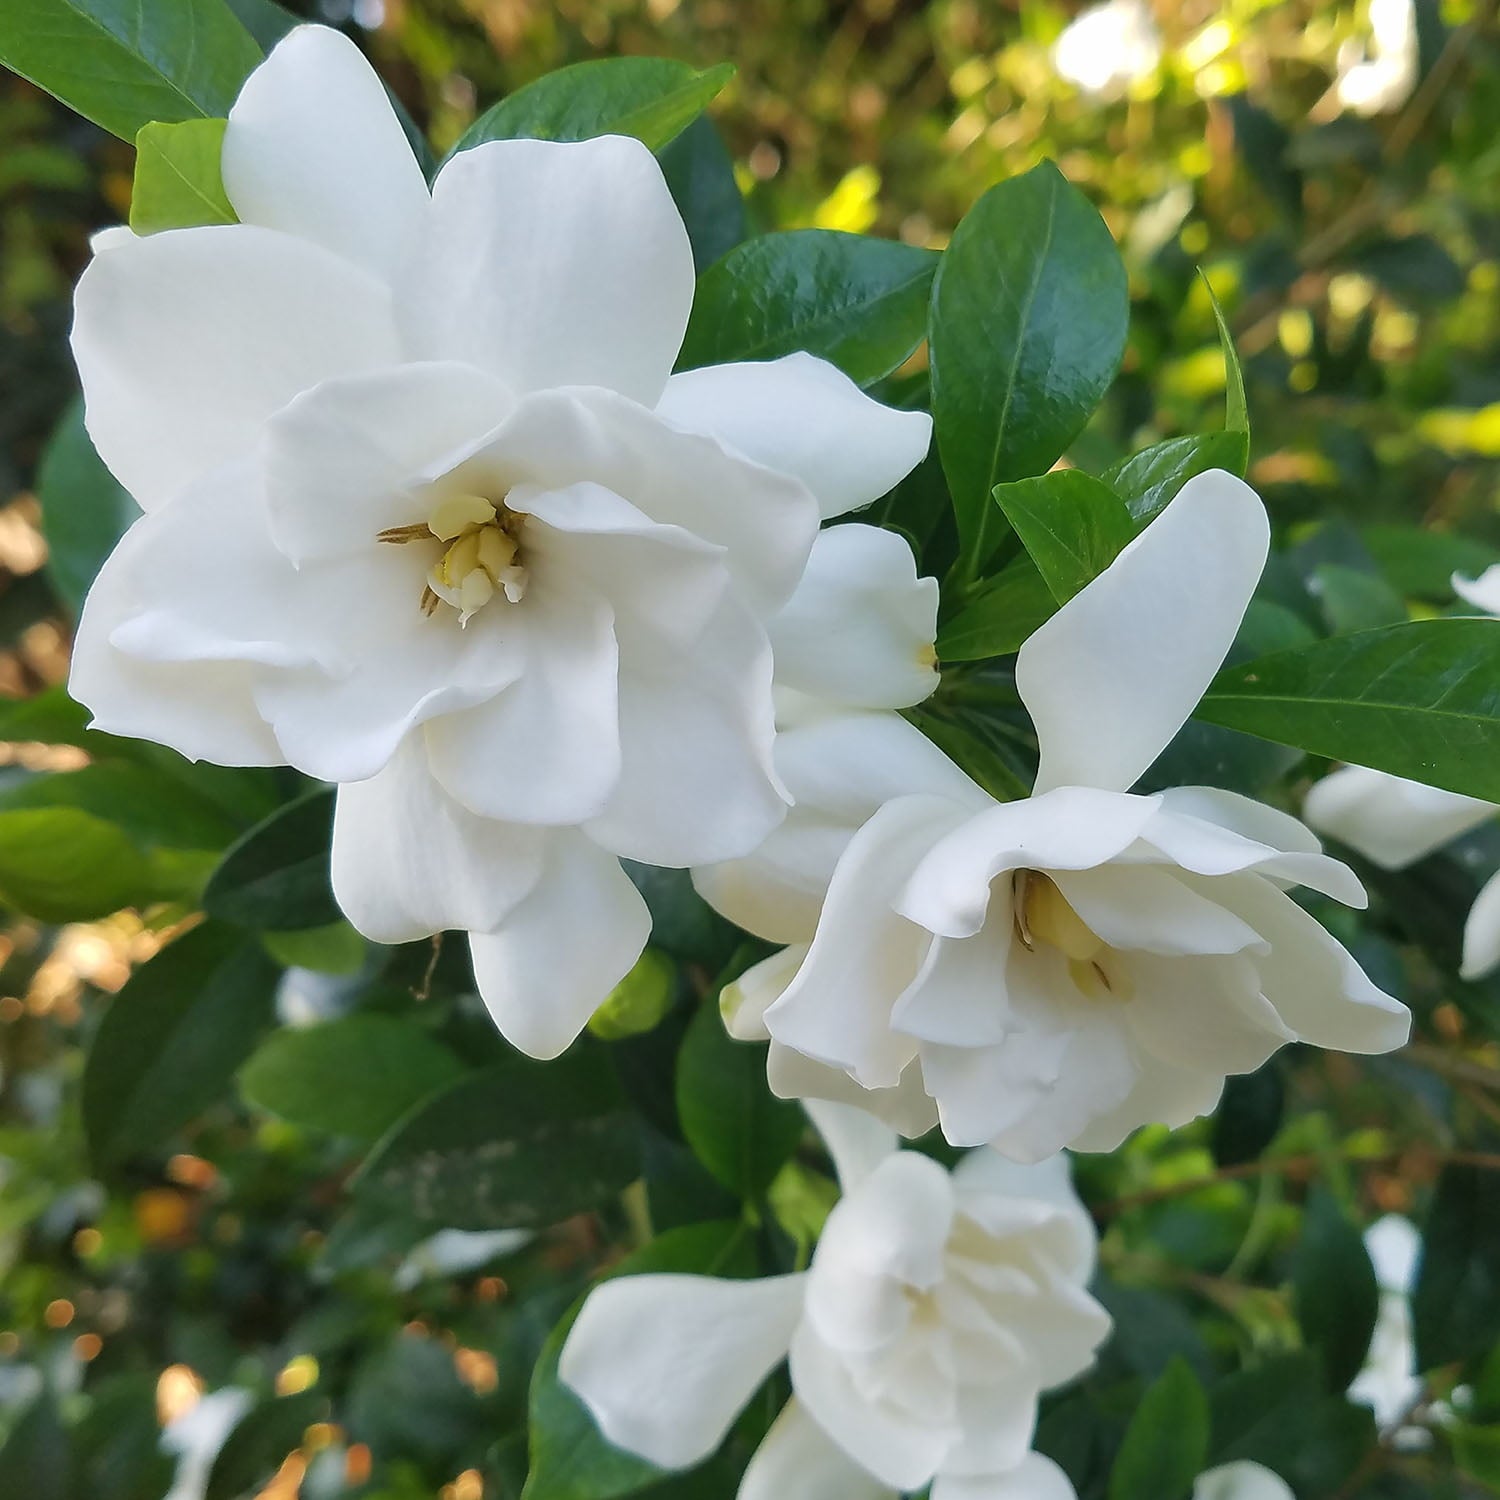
[(1044, 915), (481, 554)]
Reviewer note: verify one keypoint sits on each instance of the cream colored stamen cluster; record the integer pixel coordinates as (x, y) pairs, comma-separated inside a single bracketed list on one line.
[(1044, 915), (481, 557)]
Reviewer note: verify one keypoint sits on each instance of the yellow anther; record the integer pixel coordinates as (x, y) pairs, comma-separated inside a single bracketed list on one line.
[(457, 514), (460, 560), (1046, 916), (496, 550)]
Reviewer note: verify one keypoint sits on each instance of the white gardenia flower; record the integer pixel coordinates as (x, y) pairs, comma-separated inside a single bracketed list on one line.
[(1242, 1480), (1377, 79), (936, 1309), (428, 515), (1389, 1384), (197, 1436), (1059, 970), (1108, 47)]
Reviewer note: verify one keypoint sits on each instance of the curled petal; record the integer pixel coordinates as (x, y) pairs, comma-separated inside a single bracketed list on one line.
[(1482, 932)]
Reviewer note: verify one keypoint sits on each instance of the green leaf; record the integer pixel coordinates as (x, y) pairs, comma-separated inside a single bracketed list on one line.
[(335, 949), (1236, 408), (1353, 600), (570, 1459), (736, 1126), (1333, 1289), (1421, 562), (353, 1077), (172, 1038), (276, 877), (998, 619), (260, 1441), (700, 175), (1072, 525), (1249, 1115), (1420, 700), (85, 509), (519, 1146), (1029, 312), (859, 303), (1166, 1443), (1456, 1303), (1147, 480), (35, 1458), (178, 183), (639, 1001), (122, 64), (652, 98)]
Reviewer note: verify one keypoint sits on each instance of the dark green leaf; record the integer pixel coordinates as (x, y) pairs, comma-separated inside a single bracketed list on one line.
[(737, 1127), (683, 924), (259, 1443), (1166, 1443), (570, 1460), (859, 303), (1353, 600), (1420, 700), (178, 183), (122, 64), (172, 1038), (999, 618), (1456, 1304), (1072, 525), (1147, 480), (276, 877), (85, 509), (1421, 562), (652, 98), (519, 1146), (967, 747), (700, 174), (35, 1460), (353, 1077), (1029, 310), (1249, 1115), (1333, 1289), (1236, 408)]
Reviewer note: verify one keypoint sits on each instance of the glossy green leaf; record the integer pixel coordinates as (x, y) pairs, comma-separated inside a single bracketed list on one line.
[(858, 302), (385, 1065), (121, 63), (519, 1146), (178, 182), (1236, 407), (259, 1442), (736, 1126), (1456, 1303), (85, 509), (276, 877), (172, 1038), (1029, 310), (1420, 700), (700, 176), (1072, 525), (1333, 1289), (652, 98), (1147, 480), (570, 1459), (1166, 1444), (998, 619)]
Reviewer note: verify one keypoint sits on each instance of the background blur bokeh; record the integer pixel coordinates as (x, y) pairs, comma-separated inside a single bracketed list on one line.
[(1334, 168)]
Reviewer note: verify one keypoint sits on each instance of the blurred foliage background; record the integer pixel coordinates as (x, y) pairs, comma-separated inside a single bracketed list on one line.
[(1335, 170)]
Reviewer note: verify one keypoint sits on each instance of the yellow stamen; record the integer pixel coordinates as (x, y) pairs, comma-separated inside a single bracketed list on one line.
[(1045, 914), (457, 514)]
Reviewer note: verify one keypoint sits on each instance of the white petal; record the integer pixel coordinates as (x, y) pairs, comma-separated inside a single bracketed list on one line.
[(743, 1002), (797, 1460), (1395, 1246), (1114, 674), (665, 1362), (856, 1140), (860, 627), (559, 952), (1390, 820), (895, 1224), (1148, 908), (186, 341), (1036, 1478), (1482, 932), (313, 148), (342, 460), (905, 1107), (1482, 592), (554, 263), (985, 1174), (1242, 1480), (800, 415), (1161, 1094), (1252, 820), (409, 861)]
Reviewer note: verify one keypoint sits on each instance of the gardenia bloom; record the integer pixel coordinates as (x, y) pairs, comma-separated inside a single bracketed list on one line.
[(1109, 47), (1062, 969), (1242, 1480), (1389, 1383), (1394, 823), (197, 1436), (1379, 79), (427, 515), (937, 1307)]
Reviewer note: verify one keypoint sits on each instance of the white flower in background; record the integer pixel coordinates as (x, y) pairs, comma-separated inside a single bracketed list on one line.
[(427, 515), (455, 1252), (1242, 1480), (1380, 78), (1108, 47), (936, 1309), (197, 1436), (1063, 969), (1389, 1384)]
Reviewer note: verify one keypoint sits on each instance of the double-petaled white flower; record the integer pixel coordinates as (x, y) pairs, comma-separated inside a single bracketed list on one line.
[(429, 516), (936, 1309), (1059, 970)]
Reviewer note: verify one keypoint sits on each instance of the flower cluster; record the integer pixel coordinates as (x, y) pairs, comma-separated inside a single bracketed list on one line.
[(428, 515)]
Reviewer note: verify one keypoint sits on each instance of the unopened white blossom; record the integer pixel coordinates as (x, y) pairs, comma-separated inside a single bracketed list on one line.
[(1377, 76), (1241, 1480), (1059, 970), (428, 515), (936, 1309)]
